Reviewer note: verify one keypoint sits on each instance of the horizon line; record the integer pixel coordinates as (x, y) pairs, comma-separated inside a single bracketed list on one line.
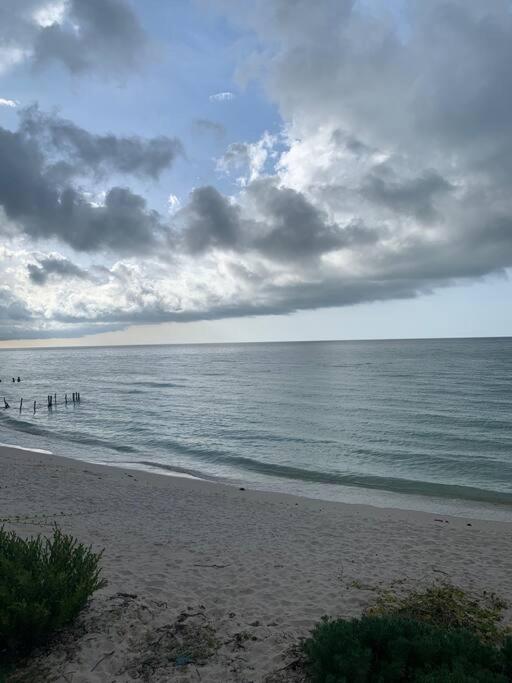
[(248, 343)]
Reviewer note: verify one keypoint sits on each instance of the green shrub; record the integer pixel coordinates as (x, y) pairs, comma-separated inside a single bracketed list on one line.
[(44, 583), (443, 604), (393, 649)]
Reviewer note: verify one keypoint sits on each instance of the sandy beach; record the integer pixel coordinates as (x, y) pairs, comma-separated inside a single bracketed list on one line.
[(242, 573)]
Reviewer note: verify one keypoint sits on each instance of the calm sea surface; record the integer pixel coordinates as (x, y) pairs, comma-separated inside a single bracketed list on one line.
[(413, 424)]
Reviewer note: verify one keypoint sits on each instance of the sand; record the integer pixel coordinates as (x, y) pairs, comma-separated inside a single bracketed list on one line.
[(239, 574)]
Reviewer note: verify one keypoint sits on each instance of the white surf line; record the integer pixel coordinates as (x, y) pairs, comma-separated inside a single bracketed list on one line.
[(22, 448), (155, 469)]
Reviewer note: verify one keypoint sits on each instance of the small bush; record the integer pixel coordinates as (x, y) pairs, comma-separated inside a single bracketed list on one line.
[(44, 583), (446, 605), (393, 649)]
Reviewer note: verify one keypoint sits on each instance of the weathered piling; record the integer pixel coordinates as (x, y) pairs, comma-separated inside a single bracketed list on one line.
[(6, 405), (21, 404), (34, 407)]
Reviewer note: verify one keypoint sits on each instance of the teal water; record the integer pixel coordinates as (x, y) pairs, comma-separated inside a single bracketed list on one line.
[(420, 424)]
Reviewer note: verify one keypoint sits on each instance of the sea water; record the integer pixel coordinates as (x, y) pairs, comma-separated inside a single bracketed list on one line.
[(419, 424)]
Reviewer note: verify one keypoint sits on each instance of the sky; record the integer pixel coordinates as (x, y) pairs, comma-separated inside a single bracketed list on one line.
[(217, 170)]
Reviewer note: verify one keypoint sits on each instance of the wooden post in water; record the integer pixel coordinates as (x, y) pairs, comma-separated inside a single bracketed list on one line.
[(6, 405), (21, 404), (55, 401), (34, 407), (65, 399)]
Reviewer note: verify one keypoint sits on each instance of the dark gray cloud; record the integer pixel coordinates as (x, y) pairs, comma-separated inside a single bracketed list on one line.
[(104, 36), (40, 161), (210, 221), (413, 196), (42, 209), (38, 329), (288, 227), (82, 151), (296, 229), (59, 267), (101, 35)]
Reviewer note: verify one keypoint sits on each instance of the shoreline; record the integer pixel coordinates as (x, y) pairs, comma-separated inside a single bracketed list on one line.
[(457, 508), (155, 476), (259, 568)]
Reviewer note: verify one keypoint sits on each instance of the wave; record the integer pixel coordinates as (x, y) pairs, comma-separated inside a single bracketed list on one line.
[(195, 474), (22, 448), (358, 480), (157, 385), (25, 427), (102, 443), (392, 484)]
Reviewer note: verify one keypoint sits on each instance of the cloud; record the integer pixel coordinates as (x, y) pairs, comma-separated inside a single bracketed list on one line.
[(11, 308), (391, 177), (16, 320), (82, 35), (35, 200), (8, 103), (173, 203), (210, 221), (415, 196), (296, 229), (212, 127), (275, 222), (40, 163), (100, 153), (222, 97), (248, 157), (56, 266)]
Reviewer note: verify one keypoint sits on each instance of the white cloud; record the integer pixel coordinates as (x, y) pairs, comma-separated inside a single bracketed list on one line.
[(222, 97), (173, 203), (51, 13), (8, 103), (250, 157)]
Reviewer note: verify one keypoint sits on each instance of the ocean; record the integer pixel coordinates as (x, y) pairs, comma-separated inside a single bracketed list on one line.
[(415, 424)]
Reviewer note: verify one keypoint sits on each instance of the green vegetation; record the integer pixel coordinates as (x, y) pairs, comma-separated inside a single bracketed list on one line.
[(44, 583), (438, 634), (445, 605), (392, 649)]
